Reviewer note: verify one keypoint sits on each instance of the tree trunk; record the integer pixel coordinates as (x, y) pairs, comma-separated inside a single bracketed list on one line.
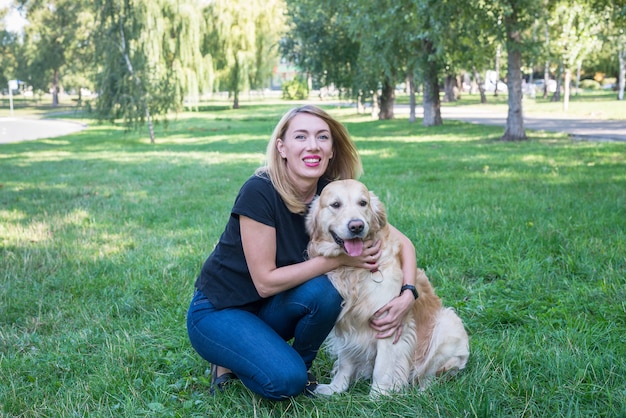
[(55, 88), (431, 101), (556, 97), (235, 83), (622, 70), (150, 127), (546, 68), (236, 100), (566, 92), (515, 119), (451, 89), (411, 82), (375, 106), (579, 64), (531, 82), (131, 70), (546, 78), (498, 53), (481, 86), (387, 100), (360, 106)]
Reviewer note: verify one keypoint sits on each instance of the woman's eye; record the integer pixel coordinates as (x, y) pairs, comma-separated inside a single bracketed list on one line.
[(300, 138), (323, 138)]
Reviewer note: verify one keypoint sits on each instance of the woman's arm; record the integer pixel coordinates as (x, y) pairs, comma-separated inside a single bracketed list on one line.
[(259, 247), (387, 321)]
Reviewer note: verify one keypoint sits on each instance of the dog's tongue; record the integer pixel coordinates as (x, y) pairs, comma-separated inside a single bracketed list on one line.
[(353, 246)]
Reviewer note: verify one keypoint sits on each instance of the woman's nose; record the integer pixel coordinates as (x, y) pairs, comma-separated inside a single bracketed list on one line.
[(311, 142)]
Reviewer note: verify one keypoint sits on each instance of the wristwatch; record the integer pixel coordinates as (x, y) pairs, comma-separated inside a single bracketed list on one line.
[(411, 288)]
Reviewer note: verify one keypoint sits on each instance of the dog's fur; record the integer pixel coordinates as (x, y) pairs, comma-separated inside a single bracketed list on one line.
[(433, 339)]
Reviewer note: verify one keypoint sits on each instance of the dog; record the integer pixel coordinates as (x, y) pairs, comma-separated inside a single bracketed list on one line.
[(433, 340)]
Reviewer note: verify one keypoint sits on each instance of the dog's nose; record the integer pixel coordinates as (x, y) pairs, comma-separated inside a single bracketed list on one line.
[(356, 226)]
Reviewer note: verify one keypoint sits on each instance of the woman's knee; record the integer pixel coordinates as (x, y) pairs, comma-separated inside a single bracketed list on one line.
[(285, 385), (326, 295)]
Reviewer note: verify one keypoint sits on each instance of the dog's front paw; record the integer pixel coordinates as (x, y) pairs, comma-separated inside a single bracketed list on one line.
[(324, 390)]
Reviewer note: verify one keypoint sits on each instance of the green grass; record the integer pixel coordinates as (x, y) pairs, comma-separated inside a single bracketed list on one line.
[(102, 236), (586, 105)]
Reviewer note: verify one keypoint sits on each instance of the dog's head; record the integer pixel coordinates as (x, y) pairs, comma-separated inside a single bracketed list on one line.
[(345, 213)]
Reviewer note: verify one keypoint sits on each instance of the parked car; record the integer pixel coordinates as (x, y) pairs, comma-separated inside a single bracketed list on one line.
[(539, 85), (491, 86)]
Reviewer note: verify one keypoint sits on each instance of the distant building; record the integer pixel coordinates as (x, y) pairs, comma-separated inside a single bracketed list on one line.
[(283, 72)]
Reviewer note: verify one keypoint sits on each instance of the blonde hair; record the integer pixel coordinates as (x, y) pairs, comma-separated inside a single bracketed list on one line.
[(345, 164)]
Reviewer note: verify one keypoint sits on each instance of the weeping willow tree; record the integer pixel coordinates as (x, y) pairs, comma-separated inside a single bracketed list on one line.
[(245, 42), (150, 59)]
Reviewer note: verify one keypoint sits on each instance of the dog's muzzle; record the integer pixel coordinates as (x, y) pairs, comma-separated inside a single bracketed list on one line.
[(352, 246)]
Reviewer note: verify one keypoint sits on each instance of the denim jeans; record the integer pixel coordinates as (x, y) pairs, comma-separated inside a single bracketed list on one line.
[(254, 344)]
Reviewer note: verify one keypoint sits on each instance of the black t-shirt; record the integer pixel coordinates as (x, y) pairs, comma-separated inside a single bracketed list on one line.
[(225, 278)]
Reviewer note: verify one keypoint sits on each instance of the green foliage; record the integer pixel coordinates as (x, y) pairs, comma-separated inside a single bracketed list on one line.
[(296, 89), (575, 32), (8, 56), (244, 38), (102, 236), (150, 56), (589, 84), (56, 43), (318, 41)]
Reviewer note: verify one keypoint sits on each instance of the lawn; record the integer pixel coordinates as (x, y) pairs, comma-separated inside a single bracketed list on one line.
[(103, 234)]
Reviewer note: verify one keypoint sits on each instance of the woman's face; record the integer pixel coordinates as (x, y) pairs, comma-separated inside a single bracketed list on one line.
[(307, 146)]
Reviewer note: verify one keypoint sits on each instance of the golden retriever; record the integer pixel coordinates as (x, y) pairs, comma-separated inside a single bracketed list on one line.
[(433, 339)]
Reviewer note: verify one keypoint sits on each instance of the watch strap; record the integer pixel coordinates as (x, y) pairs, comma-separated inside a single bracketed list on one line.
[(411, 288)]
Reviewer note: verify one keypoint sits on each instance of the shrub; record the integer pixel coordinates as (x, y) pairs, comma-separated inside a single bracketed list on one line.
[(296, 89), (589, 84)]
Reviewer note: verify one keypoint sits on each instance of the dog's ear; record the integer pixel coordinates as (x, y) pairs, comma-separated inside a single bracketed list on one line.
[(311, 217), (380, 214)]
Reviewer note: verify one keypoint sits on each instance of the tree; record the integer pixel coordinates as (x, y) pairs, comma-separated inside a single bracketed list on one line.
[(150, 54), (50, 39), (319, 43), (269, 28), (515, 120), (614, 13), (8, 53), (518, 18), (430, 78), (401, 40), (576, 34), (440, 29), (382, 47), (246, 41)]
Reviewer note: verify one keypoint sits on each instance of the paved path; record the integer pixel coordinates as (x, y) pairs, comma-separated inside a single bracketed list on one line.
[(588, 129), (24, 129)]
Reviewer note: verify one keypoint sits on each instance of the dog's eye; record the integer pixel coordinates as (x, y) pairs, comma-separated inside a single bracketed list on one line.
[(335, 205), (363, 203)]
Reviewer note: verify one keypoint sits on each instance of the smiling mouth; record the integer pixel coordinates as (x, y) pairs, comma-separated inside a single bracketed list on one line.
[(352, 246), (312, 162)]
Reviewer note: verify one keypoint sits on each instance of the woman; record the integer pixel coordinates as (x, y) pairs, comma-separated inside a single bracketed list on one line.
[(257, 290)]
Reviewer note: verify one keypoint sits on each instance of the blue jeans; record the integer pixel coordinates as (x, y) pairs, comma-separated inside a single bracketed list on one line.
[(254, 344)]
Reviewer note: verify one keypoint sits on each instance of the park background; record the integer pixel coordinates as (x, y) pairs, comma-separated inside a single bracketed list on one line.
[(103, 233)]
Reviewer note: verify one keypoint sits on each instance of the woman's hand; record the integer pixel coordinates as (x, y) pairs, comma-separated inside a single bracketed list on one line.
[(388, 320)]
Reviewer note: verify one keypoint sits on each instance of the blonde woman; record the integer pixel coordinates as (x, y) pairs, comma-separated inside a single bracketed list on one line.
[(257, 290)]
